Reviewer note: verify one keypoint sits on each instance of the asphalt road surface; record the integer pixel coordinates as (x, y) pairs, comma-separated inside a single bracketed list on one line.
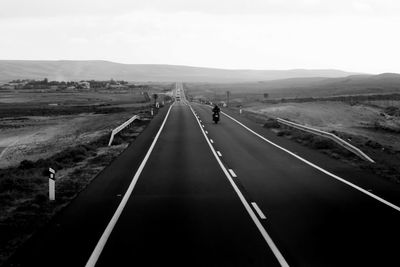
[(189, 192)]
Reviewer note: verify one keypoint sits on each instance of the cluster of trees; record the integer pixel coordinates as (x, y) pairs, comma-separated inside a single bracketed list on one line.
[(98, 84), (83, 84), (139, 86), (46, 84)]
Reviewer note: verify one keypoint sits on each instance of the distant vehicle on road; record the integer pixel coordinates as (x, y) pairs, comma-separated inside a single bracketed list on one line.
[(215, 115)]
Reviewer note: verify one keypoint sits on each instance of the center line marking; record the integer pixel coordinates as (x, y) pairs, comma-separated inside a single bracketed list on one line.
[(219, 153), (211, 141), (260, 213), (206, 132), (233, 174), (202, 125), (246, 205)]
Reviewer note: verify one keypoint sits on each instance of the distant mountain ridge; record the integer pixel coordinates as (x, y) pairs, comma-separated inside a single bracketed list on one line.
[(70, 70), (384, 83)]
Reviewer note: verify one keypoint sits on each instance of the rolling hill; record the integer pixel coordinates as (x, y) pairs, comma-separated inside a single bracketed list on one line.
[(104, 70), (385, 83), (351, 85)]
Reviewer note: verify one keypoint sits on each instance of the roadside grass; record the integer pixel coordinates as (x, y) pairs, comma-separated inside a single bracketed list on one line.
[(386, 158), (24, 204)]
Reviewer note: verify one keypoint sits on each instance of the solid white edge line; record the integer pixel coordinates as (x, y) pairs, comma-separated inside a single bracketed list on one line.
[(219, 153), (260, 213), (253, 216), (317, 167), (233, 174), (106, 234)]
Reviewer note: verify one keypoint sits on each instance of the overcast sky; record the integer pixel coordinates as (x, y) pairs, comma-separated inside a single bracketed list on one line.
[(353, 35)]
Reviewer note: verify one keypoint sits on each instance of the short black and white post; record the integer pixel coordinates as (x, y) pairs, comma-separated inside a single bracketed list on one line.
[(52, 184)]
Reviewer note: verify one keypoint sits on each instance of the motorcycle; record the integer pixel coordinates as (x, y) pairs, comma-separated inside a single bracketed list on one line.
[(215, 117)]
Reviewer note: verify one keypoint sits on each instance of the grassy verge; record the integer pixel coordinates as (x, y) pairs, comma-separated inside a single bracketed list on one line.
[(386, 157), (24, 204)]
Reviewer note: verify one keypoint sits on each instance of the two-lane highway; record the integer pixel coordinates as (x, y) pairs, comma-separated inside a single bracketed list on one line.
[(189, 192), (183, 211)]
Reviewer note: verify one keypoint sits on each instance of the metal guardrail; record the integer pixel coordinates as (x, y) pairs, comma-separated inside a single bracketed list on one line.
[(331, 136), (121, 127)]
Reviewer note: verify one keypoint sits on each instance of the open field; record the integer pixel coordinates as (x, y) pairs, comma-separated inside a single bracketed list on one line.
[(386, 83), (37, 123), (68, 131), (338, 116), (369, 128)]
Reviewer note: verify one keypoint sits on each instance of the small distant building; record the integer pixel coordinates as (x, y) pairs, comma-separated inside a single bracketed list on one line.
[(84, 85), (222, 103)]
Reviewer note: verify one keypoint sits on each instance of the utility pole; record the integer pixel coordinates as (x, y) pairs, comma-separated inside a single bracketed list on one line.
[(227, 98)]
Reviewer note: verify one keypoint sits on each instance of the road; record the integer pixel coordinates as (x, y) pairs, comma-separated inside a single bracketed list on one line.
[(192, 193)]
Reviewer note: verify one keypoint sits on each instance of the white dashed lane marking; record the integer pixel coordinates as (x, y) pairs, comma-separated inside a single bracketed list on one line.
[(233, 174), (229, 174), (258, 210)]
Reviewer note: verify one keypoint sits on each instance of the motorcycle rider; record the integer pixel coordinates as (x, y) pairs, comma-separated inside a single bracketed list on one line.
[(216, 111)]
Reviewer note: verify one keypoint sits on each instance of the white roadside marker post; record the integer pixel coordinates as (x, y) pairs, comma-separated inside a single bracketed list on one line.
[(152, 112), (52, 184)]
